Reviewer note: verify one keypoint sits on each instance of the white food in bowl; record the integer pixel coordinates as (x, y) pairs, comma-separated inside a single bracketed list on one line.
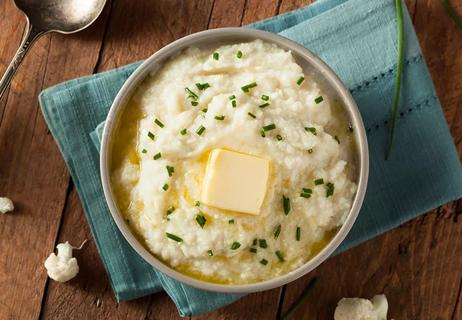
[(310, 141)]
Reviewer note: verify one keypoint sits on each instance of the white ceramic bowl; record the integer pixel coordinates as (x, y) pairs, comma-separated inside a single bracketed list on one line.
[(311, 64)]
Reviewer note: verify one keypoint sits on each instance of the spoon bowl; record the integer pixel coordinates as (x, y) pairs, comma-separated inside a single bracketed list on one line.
[(43, 16)]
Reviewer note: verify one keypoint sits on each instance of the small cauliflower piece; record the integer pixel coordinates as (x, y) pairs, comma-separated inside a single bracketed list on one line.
[(362, 309), (6, 205), (62, 267)]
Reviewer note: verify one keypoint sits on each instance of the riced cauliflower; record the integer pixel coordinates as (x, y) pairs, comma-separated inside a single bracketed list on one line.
[(362, 309), (6, 205)]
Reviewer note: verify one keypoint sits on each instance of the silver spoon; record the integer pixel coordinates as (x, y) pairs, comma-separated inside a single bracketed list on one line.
[(43, 16)]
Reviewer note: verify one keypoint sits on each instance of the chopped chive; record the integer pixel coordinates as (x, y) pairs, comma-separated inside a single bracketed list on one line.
[(201, 130), (249, 86), (262, 243), (300, 80), (298, 233), (202, 86), (220, 118), (310, 150), (170, 210), (286, 204), (194, 103), (264, 262), (319, 181), (251, 115), (239, 54), (170, 170), (201, 220), (151, 135), (318, 100), (253, 250), (191, 94), (264, 97), (210, 253), (277, 231), (216, 56), (205, 110), (231, 221), (329, 189), (337, 139), (144, 151), (280, 256), (157, 156), (197, 204), (307, 190), (232, 97), (269, 127), (173, 237), (312, 130), (165, 187), (183, 131), (234, 103), (235, 245), (159, 123), (262, 133), (254, 242), (305, 195), (279, 137), (264, 105)]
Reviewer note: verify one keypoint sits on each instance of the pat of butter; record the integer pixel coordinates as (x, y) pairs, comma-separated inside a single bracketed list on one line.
[(235, 181)]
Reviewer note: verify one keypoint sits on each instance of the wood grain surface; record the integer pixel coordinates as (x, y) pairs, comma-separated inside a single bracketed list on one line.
[(418, 265)]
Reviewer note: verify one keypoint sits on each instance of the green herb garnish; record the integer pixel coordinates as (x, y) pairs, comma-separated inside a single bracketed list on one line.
[(279, 137), (170, 210), (144, 151), (312, 130), (305, 195), (239, 54), (262, 133), (286, 204), (201, 220), (300, 80), (298, 233), (201, 130), (319, 181), (249, 86), (159, 123), (264, 262), (399, 72), (165, 187), (253, 250), (277, 231), (235, 245), (262, 243), (329, 189), (234, 103), (310, 150), (197, 204), (170, 170), (269, 127), (151, 135), (264, 105), (251, 115), (220, 118), (280, 256), (452, 13), (216, 55), (254, 242), (210, 253), (194, 103), (202, 86), (157, 156), (318, 100), (232, 97), (191, 94), (173, 237), (205, 110), (183, 131), (337, 139), (231, 221), (264, 97)]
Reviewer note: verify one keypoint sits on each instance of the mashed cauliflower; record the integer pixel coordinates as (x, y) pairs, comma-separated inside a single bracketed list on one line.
[(224, 97)]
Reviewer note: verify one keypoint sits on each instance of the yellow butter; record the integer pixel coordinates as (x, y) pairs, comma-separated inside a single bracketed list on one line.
[(235, 181)]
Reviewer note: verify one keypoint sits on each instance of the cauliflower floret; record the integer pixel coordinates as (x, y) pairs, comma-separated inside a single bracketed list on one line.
[(6, 205), (362, 309), (62, 267)]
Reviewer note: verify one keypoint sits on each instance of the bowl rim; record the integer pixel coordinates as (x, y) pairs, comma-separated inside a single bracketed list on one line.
[(349, 104)]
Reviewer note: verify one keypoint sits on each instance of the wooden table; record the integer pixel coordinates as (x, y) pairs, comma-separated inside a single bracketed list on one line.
[(418, 265)]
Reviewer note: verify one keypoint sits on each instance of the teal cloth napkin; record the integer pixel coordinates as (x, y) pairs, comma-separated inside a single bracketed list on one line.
[(357, 38)]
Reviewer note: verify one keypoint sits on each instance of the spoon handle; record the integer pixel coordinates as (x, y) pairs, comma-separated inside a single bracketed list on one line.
[(31, 35)]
